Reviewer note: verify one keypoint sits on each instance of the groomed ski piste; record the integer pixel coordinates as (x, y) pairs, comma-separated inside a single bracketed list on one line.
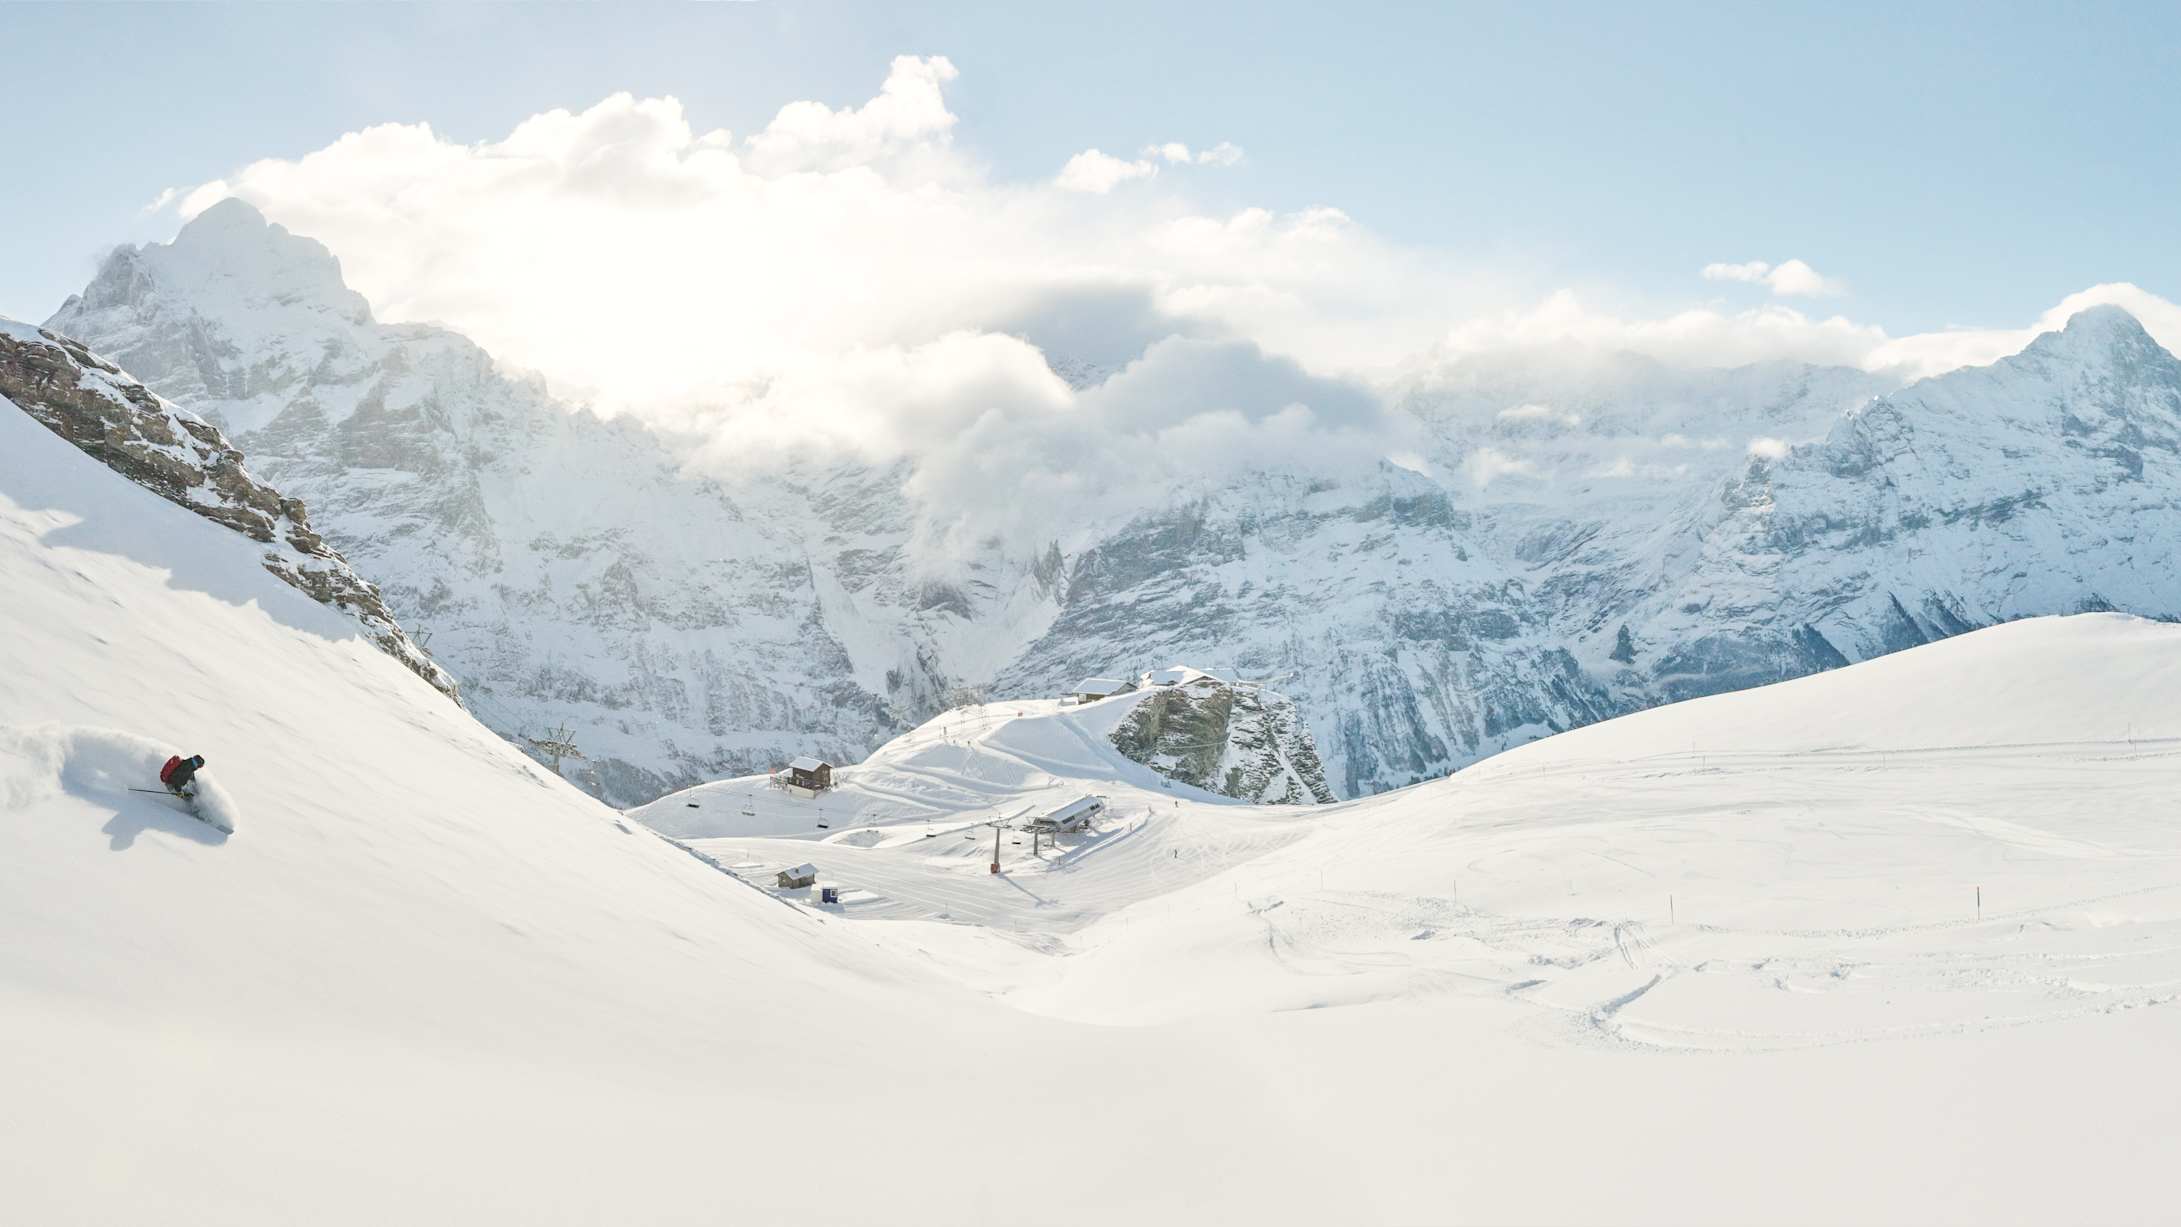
[(910, 832), (1721, 962)]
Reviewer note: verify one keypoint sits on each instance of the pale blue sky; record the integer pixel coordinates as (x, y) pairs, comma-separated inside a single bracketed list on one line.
[(1954, 165)]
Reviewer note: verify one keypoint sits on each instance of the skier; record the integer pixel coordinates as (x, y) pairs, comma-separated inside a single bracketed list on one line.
[(179, 771)]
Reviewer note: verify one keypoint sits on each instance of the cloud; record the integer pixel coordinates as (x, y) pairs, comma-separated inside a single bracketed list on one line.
[(1563, 324), (910, 112), (1767, 448), (981, 420), (846, 278), (1099, 173), (1093, 327), (709, 263), (1486, 465), (1799, 279), (1754, 271), (1540, 413), (1793, 278), (1696, 336)]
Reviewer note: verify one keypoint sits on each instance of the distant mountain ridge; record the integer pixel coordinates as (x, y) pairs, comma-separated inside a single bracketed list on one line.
[(1577, 539)]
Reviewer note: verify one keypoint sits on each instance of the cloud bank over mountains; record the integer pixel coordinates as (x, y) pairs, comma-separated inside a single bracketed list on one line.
[(847, 277)]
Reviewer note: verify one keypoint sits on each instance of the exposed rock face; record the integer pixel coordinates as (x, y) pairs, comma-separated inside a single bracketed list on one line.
[(1241, 741), (92, 404)]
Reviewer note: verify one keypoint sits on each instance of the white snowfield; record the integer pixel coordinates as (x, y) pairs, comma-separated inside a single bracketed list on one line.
[(978, 763), (424, 982)]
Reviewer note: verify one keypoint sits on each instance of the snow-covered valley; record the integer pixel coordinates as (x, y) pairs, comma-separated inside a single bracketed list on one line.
[(1895, 941)]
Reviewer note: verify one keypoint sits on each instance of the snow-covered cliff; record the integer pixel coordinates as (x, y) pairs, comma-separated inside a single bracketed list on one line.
[(108, 415)]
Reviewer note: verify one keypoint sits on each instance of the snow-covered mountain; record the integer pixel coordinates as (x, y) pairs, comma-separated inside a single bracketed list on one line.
[(1575, 538), (562, 566), (1574, 556), (1927, 901), (2048, 482)]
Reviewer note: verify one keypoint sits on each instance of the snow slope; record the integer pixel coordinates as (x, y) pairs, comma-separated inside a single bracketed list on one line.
[(1873, 944), (910, 830), (1837, 827), (977, 763), (425, 982)]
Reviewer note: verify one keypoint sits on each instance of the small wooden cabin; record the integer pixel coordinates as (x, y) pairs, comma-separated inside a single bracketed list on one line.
[(797, 878), (815, 774)]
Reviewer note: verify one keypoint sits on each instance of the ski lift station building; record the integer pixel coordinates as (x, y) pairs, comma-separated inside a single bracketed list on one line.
[(1179, 675), (1073, 816), (1092, 689), (809, 774)]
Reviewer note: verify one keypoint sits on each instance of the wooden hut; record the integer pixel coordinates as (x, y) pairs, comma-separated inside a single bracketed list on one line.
[(797, 878), (813, 774)]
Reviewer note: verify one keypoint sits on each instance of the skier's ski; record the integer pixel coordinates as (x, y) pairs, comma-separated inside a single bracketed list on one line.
[(189, 803)]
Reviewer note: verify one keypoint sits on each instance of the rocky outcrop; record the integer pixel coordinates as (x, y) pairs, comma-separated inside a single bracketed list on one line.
[(91, 403), (1238, 740)]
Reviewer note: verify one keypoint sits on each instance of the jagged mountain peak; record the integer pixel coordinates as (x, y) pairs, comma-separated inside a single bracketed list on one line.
[(232, 251), (2096, 334), (228, 213)]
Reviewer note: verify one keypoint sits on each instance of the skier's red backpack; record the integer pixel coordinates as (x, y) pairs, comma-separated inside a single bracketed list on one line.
[(166, 773)]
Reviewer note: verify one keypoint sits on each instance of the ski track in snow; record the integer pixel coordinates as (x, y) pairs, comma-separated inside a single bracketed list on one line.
[(119, 769)]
